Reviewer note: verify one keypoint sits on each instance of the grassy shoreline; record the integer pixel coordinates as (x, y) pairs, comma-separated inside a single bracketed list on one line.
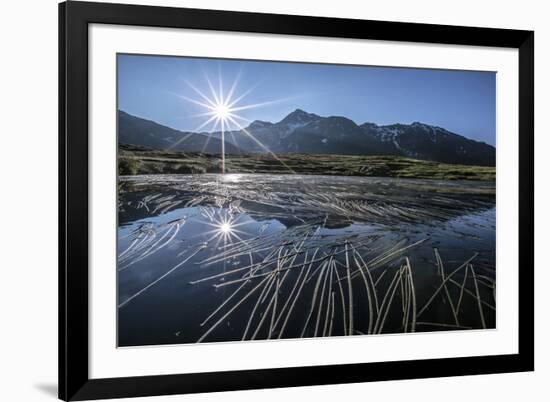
[(135, 160)]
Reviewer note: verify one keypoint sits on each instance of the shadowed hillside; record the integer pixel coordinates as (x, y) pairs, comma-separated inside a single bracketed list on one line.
[(307, 133)]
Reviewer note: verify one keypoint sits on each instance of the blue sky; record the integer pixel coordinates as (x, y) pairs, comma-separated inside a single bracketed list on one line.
[(154, 87)]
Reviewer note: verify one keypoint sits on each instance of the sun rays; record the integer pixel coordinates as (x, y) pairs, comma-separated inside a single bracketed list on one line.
[(224, 228), (221, 112)]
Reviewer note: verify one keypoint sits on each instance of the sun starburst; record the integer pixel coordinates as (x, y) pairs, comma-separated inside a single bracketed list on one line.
[(225, 227), (222, 112)]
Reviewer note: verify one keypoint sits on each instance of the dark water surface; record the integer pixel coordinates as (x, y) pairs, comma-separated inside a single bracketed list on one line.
[(230, 257)]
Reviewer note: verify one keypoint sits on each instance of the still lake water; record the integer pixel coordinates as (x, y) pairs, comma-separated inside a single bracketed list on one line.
[(231, 257)]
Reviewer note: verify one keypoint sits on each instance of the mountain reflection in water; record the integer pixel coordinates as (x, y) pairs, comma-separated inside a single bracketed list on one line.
[(237, 257)]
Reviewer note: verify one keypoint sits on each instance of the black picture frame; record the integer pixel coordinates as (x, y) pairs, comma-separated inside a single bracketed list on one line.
[(74, 19)]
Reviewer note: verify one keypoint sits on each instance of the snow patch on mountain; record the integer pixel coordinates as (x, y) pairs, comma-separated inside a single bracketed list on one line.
[(289, 128)]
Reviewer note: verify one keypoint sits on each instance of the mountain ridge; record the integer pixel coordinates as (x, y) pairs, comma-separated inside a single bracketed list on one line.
[(147, 133), (309, 133)]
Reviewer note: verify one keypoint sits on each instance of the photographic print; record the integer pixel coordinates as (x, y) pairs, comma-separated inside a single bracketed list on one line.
[(272, 200)]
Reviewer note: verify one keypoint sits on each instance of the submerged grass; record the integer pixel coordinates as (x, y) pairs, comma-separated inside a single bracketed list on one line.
[(307, 280), (398, 297)]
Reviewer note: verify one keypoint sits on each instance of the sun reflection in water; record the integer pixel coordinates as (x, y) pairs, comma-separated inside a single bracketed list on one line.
[(225, 228), (232, 177)]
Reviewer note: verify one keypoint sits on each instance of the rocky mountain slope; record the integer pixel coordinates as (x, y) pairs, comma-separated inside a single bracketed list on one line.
[(308, 133)]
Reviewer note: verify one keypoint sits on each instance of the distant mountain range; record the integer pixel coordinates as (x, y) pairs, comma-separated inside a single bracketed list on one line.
[(302, 132), (136, 131)]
